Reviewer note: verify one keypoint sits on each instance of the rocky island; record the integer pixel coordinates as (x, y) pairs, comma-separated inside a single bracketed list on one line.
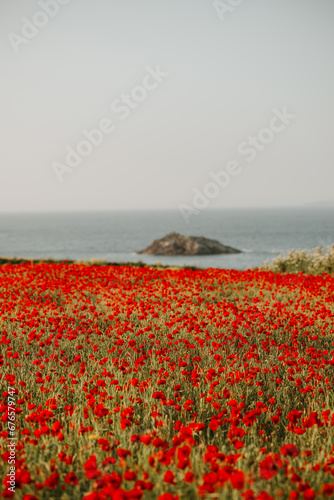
[(176, 244)]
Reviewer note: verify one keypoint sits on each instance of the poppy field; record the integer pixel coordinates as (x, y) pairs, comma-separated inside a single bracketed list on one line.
[(131, 383)]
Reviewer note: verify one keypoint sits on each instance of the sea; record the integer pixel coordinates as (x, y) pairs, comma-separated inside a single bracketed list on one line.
[(261, 234)]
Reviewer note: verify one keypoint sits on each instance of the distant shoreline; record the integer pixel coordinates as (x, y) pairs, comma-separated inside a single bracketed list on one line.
[(92, 262)]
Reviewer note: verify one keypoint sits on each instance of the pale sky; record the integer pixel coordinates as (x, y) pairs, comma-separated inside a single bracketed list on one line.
[(226, 75)]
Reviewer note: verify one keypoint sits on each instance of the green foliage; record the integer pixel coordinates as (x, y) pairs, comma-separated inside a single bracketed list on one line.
[(319, 261)]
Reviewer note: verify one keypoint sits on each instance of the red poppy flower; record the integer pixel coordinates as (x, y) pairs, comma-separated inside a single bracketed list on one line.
[(269, 466), (71, 478), (289, 450), (294, 416), (52, 481), (237, 479), (169, 477)]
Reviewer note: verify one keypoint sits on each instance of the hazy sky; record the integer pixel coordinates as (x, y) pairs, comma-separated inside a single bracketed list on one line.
[(223, 71)]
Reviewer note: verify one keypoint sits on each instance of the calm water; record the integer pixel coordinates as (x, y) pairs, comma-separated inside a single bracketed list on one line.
[(115, 236)]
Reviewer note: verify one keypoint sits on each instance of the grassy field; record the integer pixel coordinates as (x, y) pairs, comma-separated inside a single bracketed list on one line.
[(122, 382)]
